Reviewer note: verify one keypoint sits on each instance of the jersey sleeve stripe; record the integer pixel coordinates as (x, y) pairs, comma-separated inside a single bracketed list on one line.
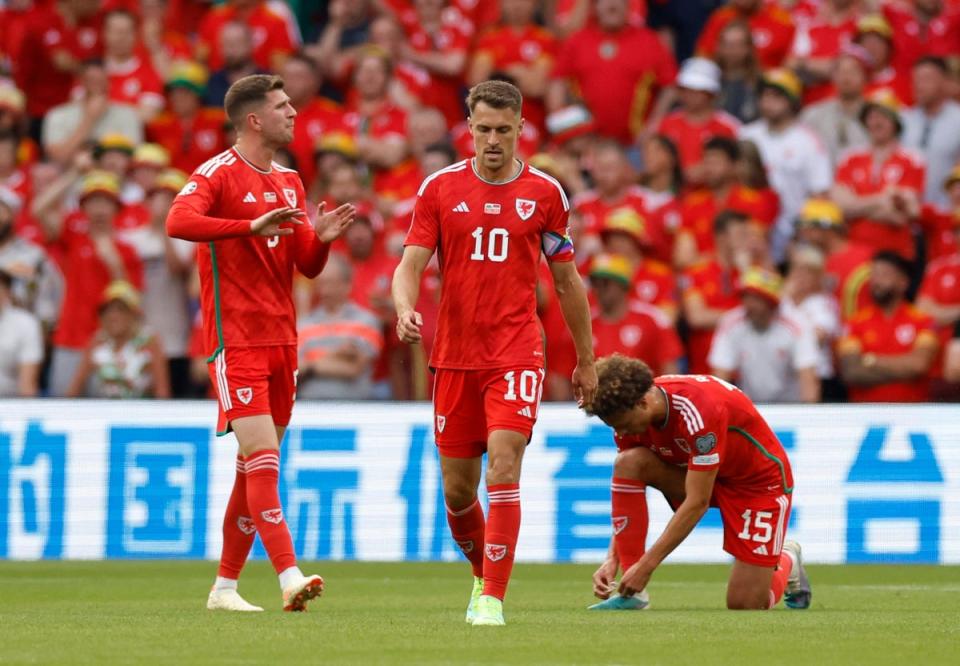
[(459, 166), (691, 408), (210, 166), (563, 195)]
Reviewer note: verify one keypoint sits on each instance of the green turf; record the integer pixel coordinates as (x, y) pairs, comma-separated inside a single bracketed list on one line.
[(153, 612)]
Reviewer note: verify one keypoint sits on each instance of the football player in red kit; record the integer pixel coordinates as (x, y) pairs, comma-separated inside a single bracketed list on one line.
[(247, 213), (701, 442), (489, 219)]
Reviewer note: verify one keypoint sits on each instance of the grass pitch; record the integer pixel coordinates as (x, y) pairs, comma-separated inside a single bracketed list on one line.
[(153, 612)]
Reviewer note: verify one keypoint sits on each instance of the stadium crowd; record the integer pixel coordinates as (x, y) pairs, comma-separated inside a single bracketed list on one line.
[(763, 190)]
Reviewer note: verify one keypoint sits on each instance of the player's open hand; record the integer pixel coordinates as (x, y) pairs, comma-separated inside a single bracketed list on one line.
[(604, 579), (408, 327), (330, 225), (268, 224), (584, 383), (634, 579)]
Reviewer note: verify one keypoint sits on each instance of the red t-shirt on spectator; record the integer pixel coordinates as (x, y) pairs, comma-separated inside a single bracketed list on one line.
[(446, 94), (941, 281), (848, 274), (135, 82), (690, 137), (402, 180), (89, 278), (320, 116), (272, 35), (189, 142), (860, 175), (939, 235), (634, 64), (822, 40), (912, 39), (654, 284), (642, 333), (717, 286), (772, 29), (701, 207)]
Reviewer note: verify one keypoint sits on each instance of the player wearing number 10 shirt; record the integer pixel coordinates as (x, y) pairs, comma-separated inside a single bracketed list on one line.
[(489, 219), (701, 442)]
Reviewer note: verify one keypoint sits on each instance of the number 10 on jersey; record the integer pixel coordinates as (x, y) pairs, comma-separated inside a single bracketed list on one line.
[(498, 243)]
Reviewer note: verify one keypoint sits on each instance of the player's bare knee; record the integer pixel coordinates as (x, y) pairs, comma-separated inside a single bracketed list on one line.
[(636, 463), (503, 469), (458, 494)]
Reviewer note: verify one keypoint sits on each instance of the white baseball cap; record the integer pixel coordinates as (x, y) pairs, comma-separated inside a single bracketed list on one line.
[(699, 74)]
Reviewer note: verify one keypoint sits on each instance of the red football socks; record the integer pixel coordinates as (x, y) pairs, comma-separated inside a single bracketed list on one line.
[(466, 526), (630, 520), (780, 575), (263, 498), (503, 526), (238, 527)]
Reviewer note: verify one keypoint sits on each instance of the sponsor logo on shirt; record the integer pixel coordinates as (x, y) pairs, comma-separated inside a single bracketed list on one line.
[(495, 552), (290, 195), (461, 207), (245, 395), (526, 411), (525, 208), (270, 197), (491, 208), (711, 459), (249, 198)]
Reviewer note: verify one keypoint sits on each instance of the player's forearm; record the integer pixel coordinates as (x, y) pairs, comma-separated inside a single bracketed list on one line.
[(183, 222), (405, 289), (684, 520), (576, 312)]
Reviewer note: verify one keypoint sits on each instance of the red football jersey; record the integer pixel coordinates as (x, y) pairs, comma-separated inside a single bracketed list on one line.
[(700, 207), (771, 26), (823, 39), (446, 90), (860, 175), (941, 282), (246, 281), (273, 35), (318, 117), (717, 286), (938, 226), (690, 136), (848, 275), (712, 424), (643, 333), (189, 142), (135, 82), (489, 237), (912, 39)]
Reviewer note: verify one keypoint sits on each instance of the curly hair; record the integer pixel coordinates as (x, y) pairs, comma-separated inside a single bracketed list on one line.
[(623, 381)]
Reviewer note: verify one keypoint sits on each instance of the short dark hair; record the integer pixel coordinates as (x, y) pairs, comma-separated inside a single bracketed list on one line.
[(496, 94), (621, 383), (724, 144), (895, 259), (247, 92), (934, 61), (726, 218)]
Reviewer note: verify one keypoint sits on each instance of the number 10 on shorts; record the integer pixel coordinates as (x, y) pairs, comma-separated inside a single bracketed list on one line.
[(528, 383)]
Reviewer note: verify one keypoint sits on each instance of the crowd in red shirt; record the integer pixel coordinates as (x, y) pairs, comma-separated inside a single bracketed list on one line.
[(645, 138)]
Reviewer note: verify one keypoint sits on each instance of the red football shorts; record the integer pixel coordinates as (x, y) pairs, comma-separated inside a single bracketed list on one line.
[(753, 527), (250, 381), (470, 404)]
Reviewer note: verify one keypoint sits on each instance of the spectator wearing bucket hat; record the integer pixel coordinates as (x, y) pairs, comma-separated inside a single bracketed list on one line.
[(880, 187), (148, 160), (847, 265), (698, 119), (797, 161), (91, 258), (124, 359), (771, 355), (621, 325), (190, 132)]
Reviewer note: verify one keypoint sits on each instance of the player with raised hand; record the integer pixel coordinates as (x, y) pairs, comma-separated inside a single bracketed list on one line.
[(489, 219), (701, 442), (248, 212)]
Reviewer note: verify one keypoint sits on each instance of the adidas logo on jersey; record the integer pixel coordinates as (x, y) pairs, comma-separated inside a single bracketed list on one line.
[(526, 411), (461, 208), (249, 198), (760, 550)]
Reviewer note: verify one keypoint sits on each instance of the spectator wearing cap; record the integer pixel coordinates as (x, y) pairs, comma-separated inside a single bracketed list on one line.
[(923, 27), (818, 44), (697, 120), (808, 298), (339, 340), (56, 40), (21, 345), (769, 354), (624, 233), (124, 359), (522, 50), (709, 289), (278, 34), (739, 71), (797, 162), (932, 126), (36, 282), (876, 36), (71, 126), (621, 325), (888, 348), (149, 159), (379, 128), (91, 258), (236, 48), (636, 88), (836, 120), (114, 153), (190, 132), (721, 190), (772, 27), (133, 80), (847, 264), (880, 187), (316, 115)]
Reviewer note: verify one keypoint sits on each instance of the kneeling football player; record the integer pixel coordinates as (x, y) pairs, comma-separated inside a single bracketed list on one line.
[(701, 442)]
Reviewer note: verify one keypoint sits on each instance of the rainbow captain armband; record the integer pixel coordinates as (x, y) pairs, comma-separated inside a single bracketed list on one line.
[(557, 247)]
